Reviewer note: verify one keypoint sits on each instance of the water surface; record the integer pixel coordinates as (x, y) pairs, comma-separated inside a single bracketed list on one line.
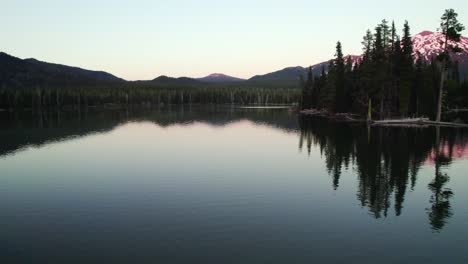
[(228, 185)]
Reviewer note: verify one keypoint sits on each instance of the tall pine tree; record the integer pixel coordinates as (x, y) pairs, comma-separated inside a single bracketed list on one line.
[(406, 71), (450, 28), (339, 79)]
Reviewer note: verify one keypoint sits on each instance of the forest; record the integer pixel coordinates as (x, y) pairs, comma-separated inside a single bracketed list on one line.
[(391, 80), (146, 94)]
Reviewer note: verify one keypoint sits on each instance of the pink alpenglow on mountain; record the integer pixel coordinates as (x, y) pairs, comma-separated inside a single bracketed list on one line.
[(429, 44), (219, 77)]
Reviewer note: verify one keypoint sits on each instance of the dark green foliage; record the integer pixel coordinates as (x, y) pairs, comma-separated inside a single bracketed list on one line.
[(387, 78), (33, 84), (406, 73), (450, 28), (339, 68), (146, 93), (307, 91)]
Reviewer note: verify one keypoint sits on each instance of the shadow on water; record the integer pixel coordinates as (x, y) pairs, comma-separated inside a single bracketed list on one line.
[(387, 161)]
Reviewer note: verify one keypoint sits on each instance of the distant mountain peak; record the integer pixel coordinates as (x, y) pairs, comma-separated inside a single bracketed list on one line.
[(219, 78), (217, 75)]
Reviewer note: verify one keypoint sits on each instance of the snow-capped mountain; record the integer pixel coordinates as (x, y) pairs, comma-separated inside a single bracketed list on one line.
[(219, 77), (426, 44), (429, 44)]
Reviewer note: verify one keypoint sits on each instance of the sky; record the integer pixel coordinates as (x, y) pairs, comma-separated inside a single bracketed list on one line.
[(140, 40)]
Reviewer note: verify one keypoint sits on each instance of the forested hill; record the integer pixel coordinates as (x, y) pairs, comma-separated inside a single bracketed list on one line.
[(19, 73)]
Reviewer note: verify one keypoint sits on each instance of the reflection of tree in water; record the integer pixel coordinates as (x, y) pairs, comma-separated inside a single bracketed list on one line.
[(440, 209), (386, 160), (22, 129)]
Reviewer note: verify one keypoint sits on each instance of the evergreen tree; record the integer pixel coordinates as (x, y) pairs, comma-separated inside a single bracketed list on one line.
[(367, 43), (394, 36), (386, 33), (322, 99), (387, 80), (407, 73), (450, 28), (349, 84), (379, 70), (396, 75), (329, 91), (339, 79)]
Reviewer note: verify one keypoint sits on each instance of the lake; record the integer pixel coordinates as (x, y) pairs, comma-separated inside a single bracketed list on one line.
[(220, 184)]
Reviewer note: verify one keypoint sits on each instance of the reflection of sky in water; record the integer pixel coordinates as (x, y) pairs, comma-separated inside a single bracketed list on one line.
[(241, 192)]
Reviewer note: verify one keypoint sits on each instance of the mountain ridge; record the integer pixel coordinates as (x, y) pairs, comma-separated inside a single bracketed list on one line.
[(16, 72), (426, 44)]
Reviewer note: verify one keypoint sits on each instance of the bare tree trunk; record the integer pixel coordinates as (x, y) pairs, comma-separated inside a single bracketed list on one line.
[(369, 111), (442, 73), (439, 100), (382, 106)]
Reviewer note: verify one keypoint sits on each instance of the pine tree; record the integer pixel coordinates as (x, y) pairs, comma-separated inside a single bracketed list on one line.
[(379, 70), (450, 28), (329, 91), (394, 36), (365, 70), (339, 78), (367, 41), (407, 71), (322, 91), (349, 84), (419, 83), (386, 34)]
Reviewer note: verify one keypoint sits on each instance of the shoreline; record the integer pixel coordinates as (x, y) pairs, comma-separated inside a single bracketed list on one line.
[(397, 122)]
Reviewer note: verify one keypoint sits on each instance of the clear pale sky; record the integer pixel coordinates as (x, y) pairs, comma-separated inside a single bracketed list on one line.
[(145, 39)]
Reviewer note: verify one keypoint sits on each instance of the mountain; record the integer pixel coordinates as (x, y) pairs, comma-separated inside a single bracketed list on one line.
[(286, 74), (15, 72), (294, 73), (428, 44), (170, 80), (220, 78)]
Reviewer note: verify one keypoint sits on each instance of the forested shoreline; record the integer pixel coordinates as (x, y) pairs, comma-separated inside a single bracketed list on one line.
[(145, 94), (389, 80)]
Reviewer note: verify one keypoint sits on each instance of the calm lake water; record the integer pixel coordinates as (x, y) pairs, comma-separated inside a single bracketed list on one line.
[(228, 185)]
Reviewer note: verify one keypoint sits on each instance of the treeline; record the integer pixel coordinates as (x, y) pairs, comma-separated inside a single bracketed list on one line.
[(135, 93), (389, 80)]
